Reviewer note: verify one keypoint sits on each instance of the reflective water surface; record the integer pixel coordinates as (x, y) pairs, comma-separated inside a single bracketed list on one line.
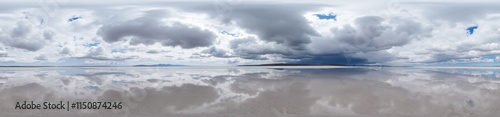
[(256, 91)]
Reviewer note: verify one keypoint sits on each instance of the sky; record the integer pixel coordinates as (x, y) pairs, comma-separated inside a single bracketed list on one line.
[(238, 32)]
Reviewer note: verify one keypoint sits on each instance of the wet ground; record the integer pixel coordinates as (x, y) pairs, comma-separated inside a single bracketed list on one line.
[(255, 91)]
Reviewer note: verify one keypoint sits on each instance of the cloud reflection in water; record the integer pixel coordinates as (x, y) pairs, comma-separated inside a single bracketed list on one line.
[(252, 91)]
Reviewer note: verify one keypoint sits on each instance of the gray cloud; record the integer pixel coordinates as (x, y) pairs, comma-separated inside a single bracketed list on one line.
[(49, 34), (288, 34), (41, 58), (3, 54), (363, 41), (370, 34), (216, 52), (65, 51), (156, 51), (233, 62), (149, 29), (24, 36), (152, 51), (100, 55), (278, 23), (199, 56), (249, 48), (456, 12), (277, 30), (366, 40)]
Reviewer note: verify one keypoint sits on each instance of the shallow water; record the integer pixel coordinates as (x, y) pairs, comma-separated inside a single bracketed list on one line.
[(255, 91)]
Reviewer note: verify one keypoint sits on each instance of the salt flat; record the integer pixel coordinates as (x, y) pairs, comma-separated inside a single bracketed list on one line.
[(282, 91)]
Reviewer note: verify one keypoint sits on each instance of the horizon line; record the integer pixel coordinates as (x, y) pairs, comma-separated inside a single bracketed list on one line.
[(264, 65)]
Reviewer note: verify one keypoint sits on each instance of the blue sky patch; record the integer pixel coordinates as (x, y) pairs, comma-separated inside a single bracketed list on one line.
[(90, 87), (471, 29), (42, 21), (118, 81), (230, 34), (118, 51), (330, 16), (74, 18), (489, 60), (91, 44)]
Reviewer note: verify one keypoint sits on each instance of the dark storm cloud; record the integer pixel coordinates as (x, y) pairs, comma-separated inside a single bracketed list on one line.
[(278, 23), (362, 42), (365, 41), (287, 34), (149, 29)]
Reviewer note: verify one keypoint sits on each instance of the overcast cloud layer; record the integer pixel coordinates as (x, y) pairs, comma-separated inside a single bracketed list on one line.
[(233, 32)]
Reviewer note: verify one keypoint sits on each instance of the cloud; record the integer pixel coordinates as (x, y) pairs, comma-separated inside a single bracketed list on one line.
[(216, 52), (454, 13), (49, 34), (153, 52), (199, 56), (3, 53), (252, 32), (367, 35), (149, 29), (41, 58), (250, 48), (26, 36), (156, 51), (233, 62), (282, 31), (371, 34), (278, 23), (65, 51), (100, 54), (364, 41)]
